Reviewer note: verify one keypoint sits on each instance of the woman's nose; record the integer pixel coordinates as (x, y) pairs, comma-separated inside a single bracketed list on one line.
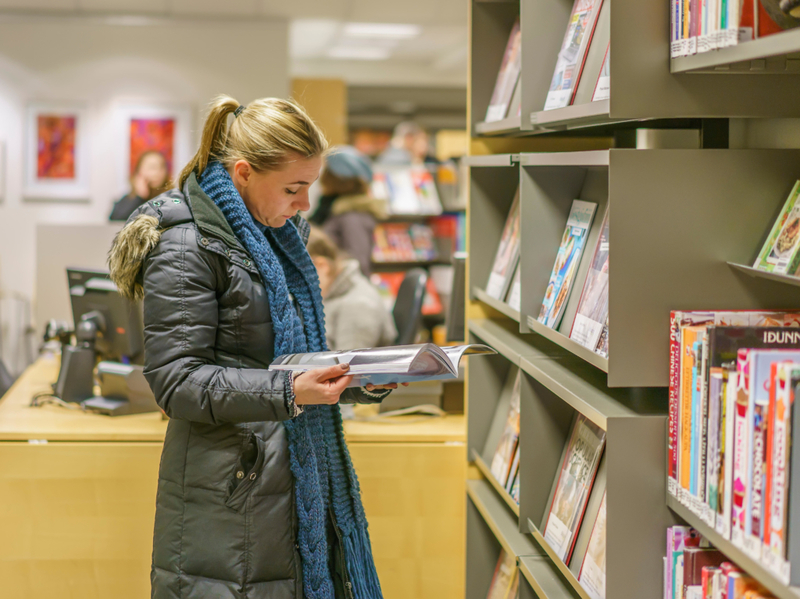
[(303, 203)]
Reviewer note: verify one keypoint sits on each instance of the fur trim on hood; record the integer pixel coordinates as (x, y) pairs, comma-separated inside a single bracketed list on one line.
[(127, 254)]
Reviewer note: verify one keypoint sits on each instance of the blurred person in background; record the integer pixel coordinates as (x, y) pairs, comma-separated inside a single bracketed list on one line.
[(150, 178), (346, 212), (355, 315), (410, 145)]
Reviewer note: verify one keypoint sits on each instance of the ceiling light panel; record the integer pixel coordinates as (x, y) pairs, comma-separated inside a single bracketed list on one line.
[(398, 31), (359, 53)]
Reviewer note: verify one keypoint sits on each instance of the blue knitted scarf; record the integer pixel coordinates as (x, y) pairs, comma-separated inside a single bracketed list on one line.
[(320, 462)]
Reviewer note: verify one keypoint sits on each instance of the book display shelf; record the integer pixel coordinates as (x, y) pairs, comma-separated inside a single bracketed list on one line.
[(646, 84), (683, 229)]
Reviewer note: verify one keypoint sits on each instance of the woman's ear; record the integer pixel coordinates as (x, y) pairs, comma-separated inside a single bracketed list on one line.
[(241, 173)]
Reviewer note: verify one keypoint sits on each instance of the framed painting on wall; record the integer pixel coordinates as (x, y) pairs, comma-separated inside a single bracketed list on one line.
[(144, 128), (56, 152)]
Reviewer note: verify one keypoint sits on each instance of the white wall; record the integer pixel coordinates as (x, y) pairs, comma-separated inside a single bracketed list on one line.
[(100, 64)]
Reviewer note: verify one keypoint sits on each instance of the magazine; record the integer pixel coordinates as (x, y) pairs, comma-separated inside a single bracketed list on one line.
[(502, 461), (574, 484), (573, 53), (593, 570), (567, 261), (505, 573), (408, 190), (781, 252), (507, 77), (592, 312), (514, 298), (602, 90), (386, 365), (507, 254)]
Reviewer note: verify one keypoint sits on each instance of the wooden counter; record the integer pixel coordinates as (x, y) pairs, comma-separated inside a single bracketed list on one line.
[(78, 496)]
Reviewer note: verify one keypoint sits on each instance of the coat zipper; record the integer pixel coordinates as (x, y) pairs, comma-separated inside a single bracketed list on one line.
[(348, 586)]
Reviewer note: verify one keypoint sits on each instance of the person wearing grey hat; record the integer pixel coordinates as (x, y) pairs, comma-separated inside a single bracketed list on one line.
[(346, 212)]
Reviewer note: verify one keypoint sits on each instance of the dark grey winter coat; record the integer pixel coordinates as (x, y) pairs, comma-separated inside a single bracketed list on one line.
[(225, 522)]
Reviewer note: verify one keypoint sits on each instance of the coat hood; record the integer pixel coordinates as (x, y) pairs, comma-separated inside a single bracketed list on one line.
[(131, 245), (360, 203)]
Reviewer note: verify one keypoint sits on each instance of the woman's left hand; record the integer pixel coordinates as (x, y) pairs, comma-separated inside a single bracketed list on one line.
[(370, 387)]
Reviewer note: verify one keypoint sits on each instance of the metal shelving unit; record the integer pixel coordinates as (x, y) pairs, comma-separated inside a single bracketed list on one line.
[(775, 54)]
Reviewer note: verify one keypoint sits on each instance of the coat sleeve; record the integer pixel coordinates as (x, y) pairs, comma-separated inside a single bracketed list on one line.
[(181, 318)]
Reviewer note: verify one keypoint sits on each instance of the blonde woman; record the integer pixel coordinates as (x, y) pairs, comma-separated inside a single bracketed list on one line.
[(257, 497)]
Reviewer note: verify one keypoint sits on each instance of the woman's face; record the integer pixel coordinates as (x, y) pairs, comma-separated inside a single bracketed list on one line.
[(154, 170), (276, 196)]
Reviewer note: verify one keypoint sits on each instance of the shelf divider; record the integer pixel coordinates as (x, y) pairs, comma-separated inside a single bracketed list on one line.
[(565, 572), (738, 556), (501, 307), (545, 579), (500, 520), (487, 474), (490, 160), (587, 158), (579, 115), (763, 274)]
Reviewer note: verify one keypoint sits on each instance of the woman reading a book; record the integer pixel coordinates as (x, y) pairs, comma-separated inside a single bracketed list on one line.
[(257, 496)]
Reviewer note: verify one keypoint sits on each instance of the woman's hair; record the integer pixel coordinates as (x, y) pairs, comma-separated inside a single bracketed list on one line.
[(320, 245), (263, 134), (142, 157), (333, 184)]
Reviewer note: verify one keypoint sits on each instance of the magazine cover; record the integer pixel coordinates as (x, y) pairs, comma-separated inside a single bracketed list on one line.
[(593, 570), (574, 484), (504, 574), (504, 453), (507, 254), (514, 298), (593, 307), (567, 260), (506, 77), (780, 252), (602, 90), (573, 53)]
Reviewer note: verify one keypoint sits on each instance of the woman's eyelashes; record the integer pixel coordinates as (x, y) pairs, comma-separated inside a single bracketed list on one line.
[(291, 193)]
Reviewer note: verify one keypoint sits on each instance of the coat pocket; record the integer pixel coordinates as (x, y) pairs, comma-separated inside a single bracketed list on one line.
[(248, 469)]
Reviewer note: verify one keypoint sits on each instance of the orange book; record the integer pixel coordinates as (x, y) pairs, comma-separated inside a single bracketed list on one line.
[(688, 337)]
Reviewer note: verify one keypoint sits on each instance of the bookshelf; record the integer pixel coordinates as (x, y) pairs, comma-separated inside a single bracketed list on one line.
[(646, 84), (762, 274)]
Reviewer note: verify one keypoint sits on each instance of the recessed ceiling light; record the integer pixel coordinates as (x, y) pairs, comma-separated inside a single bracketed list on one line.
[(359, 53), (129, 20), (392, 30)]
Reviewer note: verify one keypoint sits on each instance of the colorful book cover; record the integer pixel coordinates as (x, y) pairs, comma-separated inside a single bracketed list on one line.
[(567, 261), (713, 450), (723, 521), (741, 449), (506, 77), (507, 256), (777, 17), (780, 252), (593, 570), (504, 453), (689, 336), (572, 55), (602, 91), (575, 481), (504, 573), (697, 417), (593, 306), (683, 537)]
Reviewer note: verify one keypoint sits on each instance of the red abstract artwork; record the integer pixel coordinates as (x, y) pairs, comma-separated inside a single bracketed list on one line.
[(152, 134), (55, 147)]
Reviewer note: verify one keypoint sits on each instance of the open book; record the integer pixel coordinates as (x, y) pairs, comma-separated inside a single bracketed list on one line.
[(386, 365)]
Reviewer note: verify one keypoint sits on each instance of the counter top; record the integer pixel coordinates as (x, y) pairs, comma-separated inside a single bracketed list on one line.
[(20, 422)]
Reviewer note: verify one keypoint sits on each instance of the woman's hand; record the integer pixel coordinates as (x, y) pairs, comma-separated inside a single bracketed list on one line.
[(321, 386)]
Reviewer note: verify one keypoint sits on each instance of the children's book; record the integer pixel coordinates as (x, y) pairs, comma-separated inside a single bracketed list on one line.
[(572, 56), (602, 90), (507, 256), (567, 261), (575, 480), (593, 570), (593, 307), (781, 252), (507, 77)]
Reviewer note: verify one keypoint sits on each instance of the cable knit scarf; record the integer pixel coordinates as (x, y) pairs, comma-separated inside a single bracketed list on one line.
[(320, 462)]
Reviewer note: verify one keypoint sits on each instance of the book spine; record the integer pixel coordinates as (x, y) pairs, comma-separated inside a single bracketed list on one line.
[(674, 394), (685, 458), (702, 467), (792, 533), (696, 426), (712, 448), (730, 437), (740, 452), (769, 456)]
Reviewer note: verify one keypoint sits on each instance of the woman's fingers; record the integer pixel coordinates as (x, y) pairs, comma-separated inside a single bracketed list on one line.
[(331, 372)]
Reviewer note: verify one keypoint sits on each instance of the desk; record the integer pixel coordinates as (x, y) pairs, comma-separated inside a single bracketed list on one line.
[(77, 497)]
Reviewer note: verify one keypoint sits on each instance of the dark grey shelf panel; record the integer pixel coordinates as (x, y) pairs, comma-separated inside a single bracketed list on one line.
[(487, 473), (490, 160), (573, 117), (571, 346), (567, 574), (748, 57), (500, 520), (739, 557), (762, 274), (590, 158), (584, 388), (542, 575), (501, 307), (506, 126), (509, 343)]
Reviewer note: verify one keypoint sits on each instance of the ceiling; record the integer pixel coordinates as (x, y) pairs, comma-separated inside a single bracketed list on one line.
[(435, 56)]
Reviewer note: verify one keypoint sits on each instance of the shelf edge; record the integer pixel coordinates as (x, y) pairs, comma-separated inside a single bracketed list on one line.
[(587, 158), (487, 474), (763, 274), (545, 588), (568, 574), (568, 344), (501, 307)]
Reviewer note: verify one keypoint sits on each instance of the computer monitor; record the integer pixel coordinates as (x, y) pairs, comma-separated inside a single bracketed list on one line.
[(121, 339)]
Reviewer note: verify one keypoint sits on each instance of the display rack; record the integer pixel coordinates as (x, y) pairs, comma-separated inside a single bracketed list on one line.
[(645, 86)]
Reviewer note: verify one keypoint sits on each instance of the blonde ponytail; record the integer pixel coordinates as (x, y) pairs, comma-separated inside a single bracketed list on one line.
[(264, 134)]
